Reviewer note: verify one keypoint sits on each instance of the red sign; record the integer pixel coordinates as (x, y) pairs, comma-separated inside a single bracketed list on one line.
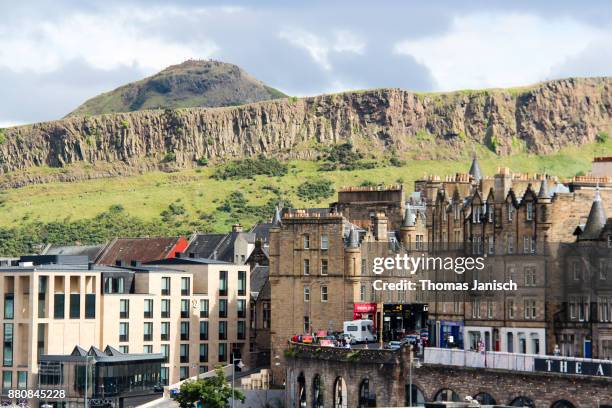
[(327, 343), (321, 333), (364, 308), (307, 339)]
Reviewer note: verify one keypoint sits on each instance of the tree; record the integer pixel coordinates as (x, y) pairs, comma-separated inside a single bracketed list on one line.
[(213, 392)]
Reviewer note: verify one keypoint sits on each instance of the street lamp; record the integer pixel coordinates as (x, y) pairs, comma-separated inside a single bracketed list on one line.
[(417, 364)]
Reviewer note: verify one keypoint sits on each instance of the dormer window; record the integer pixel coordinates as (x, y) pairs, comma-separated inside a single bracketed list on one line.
[(491, 213), (510, 211), (456, 209), (529, 210), (476, 214)]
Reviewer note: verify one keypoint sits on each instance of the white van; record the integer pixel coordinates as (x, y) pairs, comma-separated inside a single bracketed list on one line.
[(360, 330)]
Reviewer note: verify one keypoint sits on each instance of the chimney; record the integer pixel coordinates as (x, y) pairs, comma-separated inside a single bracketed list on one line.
[(380, 226), (237, 228)]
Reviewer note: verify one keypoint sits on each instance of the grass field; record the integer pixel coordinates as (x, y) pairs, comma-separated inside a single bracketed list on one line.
[(146, 196)]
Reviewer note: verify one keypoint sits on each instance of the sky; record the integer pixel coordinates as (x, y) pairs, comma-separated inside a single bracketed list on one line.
[(56, 54)]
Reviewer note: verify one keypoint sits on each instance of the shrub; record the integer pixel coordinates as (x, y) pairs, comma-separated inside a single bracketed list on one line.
[(247, 168), (494, 143), (601, 137), (315, 190), (202, 161), (343, 157), (125, 124), (169, 157), (2, 136), (293, 99)]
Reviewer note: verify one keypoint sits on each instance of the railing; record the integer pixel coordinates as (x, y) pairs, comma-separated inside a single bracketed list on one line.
[(492, 359)]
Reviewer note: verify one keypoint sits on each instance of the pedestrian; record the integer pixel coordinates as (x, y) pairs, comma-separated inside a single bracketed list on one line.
[(557, 350)]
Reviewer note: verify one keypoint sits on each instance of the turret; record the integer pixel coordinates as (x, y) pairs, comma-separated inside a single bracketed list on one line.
[(475, 170), (596, 221), (352, 254), (408, 228)]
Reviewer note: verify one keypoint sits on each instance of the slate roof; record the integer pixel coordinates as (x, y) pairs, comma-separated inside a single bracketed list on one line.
[(596, 220), (216, 246), (137, 249), (259, 277), (91, 251)]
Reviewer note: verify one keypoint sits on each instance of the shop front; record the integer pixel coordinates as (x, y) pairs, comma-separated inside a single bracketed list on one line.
[(365, 311), (402, 320)]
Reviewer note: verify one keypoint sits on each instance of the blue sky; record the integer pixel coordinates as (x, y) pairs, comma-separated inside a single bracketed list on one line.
[(56, 54)]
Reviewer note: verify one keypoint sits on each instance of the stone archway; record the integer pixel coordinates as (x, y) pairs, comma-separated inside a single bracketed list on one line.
[(317, 392), (301, 391), (522, 402), (340, 394), (562, 404), (446, 394), (367, 395), (418, 396), (484, 398)]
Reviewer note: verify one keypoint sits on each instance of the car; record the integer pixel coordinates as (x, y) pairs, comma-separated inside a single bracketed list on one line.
[(394, 345), (351, 339), (158, 388)]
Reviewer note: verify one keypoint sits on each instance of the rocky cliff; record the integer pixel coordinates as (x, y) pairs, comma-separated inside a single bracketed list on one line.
[(540, 119)]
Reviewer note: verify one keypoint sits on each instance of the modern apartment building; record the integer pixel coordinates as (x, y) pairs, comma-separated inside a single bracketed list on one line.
[(193, 311)]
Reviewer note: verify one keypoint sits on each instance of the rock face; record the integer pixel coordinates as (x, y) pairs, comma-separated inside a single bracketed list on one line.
[(540, 119), (194, 83)]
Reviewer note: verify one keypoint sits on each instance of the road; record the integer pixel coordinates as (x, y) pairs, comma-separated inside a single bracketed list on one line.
[(162, 403)]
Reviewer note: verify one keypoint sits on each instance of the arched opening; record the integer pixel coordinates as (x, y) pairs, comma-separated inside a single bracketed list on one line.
[(484, 398), (317, 392), (340, 394), (522, 402), (562, 404), (447, 394), (301, 391), (510, 342), (418, 398), (367, 396)]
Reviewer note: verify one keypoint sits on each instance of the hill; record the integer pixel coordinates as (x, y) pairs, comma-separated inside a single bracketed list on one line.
[(380, 124), (193, 83)]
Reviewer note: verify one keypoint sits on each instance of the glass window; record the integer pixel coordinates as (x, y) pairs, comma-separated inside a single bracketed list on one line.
[(184, 308), (148, 308), (7, 380), (124, 331), (90, 306), (124, 349), (223, 330), (165, 287), (9, 306), (147, 349), (148, 331), (223, 308), (306, 241), (222, 283), (324, 266), (165, 350), (241, 283), (165, 308), (266, 315), (184, 353), (165, 331), (124, 309), (222, 352), (203, 353), (306, 324), (183, 373), (185, 286), (203, 330), (324, 296), (7, 353), (75, 306), (241, 306), (58, 310), (306, 267), (42, 296), (184, 330), (163, 375), (324, 242), (22, 379), (306, 294), (241, 330), (204, 308)]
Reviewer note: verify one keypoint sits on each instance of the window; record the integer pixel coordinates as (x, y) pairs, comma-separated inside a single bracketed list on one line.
[(9, 306), (203, 369), (148, 331), (163, 375), (204, 308), (526, 245), (324, 242), (306, 324), (510, 211), (223, 330), (165, 331), (184, 330), (90, 306), (184, 308), (222, 283), (165, 350), (306, 294), (324, 296), (165, 287), (165, 308), (222, 352), (124, 349), (7, 350), (364, 263), (510, 244), (42, 296), (124, 331), (147, 349), (22, 379), (203, 353), (572, 307), (362, 294), (184, 353), (477, 244), (576, 270), (59, 307), (603, 269), (476, 309), (241, 330), (530, 276), (530, 309), (185, 286), (476, 214), (491, 245), (529, 211), (511, 309), (306, 241), (148, 308), (124, 309), (203, 330), (324, 266), (306, 266), (419, 242), (241, 306), (7, 381), (489, 309), (491, 212), (183, 373), (223, 308), (242, 287), (605, 308), (266, 315), (75, 306)]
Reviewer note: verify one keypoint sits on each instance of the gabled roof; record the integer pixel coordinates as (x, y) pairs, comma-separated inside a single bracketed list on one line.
[(216, 246), (138, 249), (262, 231), (259, 277)]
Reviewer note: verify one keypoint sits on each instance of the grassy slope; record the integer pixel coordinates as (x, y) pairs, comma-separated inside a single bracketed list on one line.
[(147, 195)]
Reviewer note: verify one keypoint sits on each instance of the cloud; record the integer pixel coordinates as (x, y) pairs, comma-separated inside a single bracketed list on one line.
[(499, 50)]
